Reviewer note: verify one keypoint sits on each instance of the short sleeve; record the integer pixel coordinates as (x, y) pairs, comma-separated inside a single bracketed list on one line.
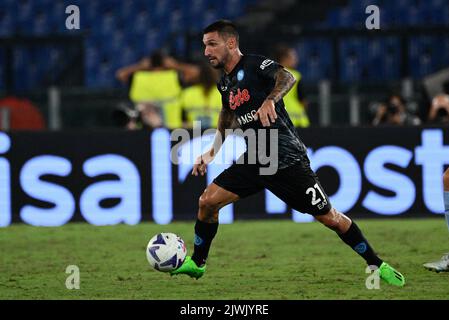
[(265, 67)]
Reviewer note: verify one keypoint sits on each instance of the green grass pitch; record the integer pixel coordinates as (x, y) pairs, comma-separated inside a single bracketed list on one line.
[(276, 259)]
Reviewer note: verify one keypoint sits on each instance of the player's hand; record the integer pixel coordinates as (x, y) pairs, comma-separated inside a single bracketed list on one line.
[(170, 63), (145, 63), (200, 165), (266, 113)]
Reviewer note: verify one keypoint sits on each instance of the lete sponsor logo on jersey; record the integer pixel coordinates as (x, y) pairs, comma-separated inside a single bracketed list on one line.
[(236, 100)]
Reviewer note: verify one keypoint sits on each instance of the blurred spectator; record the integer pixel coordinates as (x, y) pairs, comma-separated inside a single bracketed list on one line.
[(124, 74), (159, 61), (202, 101), (439, 109), (155, 87), (144, 115), (295, 102), (394, 112), (126, 117), (150, 116)]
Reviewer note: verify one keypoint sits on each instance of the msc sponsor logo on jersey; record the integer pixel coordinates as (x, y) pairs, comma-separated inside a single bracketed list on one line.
[(239, 98), (248, 117), (265, 63)]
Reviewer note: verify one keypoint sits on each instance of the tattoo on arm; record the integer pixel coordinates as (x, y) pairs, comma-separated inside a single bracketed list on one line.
[(226, 120), (284, 82)]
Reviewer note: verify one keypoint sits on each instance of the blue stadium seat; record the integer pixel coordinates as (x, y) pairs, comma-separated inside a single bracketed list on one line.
[(41, 24), (105, 76), (314, 59), (425, 56), (160, 10), (209, 17), (232, 8), (126, 56), (445, 50), (125, 30), (91, 14), (176, 21), (118, 32), (194, 11), (391, 56), (57, 17), (333, 19), (152, 41), (351, 60), (346, 17), (129, 9), (139, 24), (92, 57), (114, 41), (24, 11), (7, 23), (30, 78)]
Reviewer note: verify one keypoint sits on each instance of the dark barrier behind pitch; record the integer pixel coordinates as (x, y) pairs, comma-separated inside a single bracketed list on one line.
[(106, 177)]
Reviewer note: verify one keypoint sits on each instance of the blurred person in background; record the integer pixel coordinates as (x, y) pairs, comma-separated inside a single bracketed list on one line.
[(159, 61), (155, 86), (124, 74), (439, 114), (150, 116), (201, 101), (126, 117), (394, 112), (439, 110), (443, 263), (295, 101), (144, 115)]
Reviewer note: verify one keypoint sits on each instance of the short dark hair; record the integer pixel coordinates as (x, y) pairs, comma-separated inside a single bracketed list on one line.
[(224, 27), (157, 58)]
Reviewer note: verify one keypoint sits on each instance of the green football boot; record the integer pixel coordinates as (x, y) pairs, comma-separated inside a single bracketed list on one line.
[(391, 275), (190, 268)]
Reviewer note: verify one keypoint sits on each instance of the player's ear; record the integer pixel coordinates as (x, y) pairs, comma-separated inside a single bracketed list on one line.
[(232, 43)]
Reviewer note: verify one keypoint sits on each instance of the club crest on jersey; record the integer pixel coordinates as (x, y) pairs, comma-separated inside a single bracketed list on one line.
[(265, 63), (240, 75), (238, 99)]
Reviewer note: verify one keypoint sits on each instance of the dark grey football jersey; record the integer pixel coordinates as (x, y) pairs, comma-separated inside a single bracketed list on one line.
[(244, 90)]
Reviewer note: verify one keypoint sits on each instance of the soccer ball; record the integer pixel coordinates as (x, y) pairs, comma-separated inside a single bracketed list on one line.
[(166, 252)]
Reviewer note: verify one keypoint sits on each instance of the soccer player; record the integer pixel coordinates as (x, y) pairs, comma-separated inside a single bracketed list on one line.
[(252, 88), (443, 263)]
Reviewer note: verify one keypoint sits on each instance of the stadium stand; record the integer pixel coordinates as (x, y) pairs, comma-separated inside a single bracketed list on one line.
[(119, 32)]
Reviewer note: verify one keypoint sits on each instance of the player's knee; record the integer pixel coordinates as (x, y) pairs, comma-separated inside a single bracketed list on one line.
[(208, 205)]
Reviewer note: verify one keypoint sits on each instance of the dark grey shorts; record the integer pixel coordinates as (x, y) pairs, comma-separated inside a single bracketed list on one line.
[(298, 186)]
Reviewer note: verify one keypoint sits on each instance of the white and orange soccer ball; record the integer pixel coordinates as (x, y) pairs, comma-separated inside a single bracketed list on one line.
[(166, 252)]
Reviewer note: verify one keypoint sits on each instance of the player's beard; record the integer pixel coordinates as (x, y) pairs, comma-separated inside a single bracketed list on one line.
[(219, 65)]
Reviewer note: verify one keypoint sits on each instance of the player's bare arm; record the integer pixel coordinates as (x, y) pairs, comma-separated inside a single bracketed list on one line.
[(226, 120), (284, 82)]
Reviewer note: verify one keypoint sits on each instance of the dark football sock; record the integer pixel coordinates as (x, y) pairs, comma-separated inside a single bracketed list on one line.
[(204, 234), (355, 239)]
